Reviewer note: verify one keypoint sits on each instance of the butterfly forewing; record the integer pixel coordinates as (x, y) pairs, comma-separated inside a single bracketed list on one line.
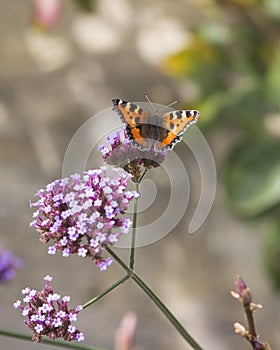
[(177, 122), (129, 112)]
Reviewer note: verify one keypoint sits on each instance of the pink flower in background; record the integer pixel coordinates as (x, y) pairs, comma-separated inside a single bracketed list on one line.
[(47, 13), (125, 334)]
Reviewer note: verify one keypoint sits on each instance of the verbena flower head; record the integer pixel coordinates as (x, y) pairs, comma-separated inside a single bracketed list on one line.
[(120, 152), (47, 314), (83, 213), (8, 265)]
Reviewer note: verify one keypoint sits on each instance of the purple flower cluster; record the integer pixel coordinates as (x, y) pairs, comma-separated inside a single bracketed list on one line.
[(83, 213), (122, 153), (8, 265), (48, 314)]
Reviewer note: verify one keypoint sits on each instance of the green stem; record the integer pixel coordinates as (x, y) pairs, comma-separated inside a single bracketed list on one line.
[(173, 320), (107, 290), (118, 260), (58, 343), (134, 225), (157, 301), (142, 176)]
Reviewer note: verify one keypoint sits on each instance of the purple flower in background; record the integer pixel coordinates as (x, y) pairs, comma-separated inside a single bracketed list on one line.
[(82, 214), (48, 314), (8, 265), (121, 153)]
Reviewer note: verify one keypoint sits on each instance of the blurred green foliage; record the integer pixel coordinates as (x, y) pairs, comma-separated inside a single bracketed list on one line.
[(253, 176), (234, 59), (86, 5)]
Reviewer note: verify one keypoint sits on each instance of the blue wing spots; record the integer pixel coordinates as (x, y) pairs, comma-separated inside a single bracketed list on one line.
[(179, 115), (132, 107)]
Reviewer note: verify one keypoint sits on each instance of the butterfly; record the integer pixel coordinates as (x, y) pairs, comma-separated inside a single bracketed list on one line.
[(149, 130)]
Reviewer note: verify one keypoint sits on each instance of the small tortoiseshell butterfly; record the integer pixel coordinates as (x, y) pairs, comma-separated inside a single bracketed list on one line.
[(149, 130)]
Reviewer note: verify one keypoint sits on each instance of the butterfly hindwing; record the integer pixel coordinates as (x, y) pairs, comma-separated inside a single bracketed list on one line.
[(169, 141), (134, 134)]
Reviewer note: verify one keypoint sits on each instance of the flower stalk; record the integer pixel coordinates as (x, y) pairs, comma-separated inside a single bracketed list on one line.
[(167, 313), (134, 227), (58, 343), (244, 295), (173, 320), (107, 290)]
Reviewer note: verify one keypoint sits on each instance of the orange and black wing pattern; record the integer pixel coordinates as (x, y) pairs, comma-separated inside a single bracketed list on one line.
[(133, 116), (177, 123), (141, 127)]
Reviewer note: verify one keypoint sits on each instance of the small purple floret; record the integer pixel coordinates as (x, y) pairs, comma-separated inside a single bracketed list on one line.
[(47, 316), (120, 152)]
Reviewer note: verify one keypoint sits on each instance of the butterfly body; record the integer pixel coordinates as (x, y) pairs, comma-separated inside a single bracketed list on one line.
[(149, 130)]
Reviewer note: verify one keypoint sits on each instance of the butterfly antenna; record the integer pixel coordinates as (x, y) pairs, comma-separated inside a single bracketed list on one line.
[(150, 102), (170, 104)]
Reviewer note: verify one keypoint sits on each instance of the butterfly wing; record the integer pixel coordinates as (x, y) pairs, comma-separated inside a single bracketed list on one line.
[(177, 123), (132, 115)]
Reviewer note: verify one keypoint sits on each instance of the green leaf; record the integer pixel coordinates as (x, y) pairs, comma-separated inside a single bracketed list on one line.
[(245, 106), (253, 177)]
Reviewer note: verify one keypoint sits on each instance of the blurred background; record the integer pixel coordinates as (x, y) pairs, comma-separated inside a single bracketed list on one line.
[(63, 61)]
